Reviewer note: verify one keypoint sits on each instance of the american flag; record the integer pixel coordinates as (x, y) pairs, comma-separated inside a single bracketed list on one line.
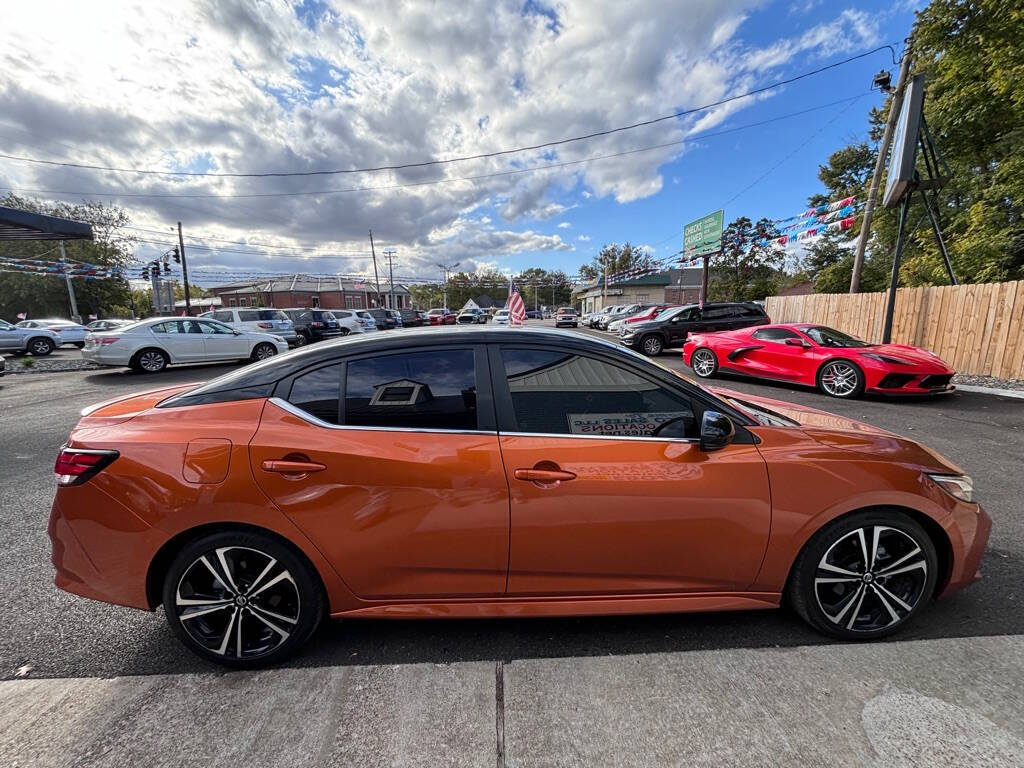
[(516, 307)]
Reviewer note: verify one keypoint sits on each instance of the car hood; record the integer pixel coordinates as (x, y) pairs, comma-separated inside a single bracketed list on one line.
[(903, 352), (851, 435)]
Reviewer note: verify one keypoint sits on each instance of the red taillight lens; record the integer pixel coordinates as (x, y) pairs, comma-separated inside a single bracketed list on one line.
[(104, 340), (265, 325), (317, 324), (74, 467)]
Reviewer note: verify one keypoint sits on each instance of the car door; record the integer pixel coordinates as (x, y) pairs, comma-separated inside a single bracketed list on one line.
[(407, 497), (599, 503), (11, 337), (183, 339), (679, 325), (220, 342), (772, 356)]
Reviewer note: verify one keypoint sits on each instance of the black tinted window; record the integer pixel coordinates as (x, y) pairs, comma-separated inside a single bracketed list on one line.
[(424, 390), (751, 311), (717, 313), (774, 334), (567, 394), (247, 316), (317, 393)]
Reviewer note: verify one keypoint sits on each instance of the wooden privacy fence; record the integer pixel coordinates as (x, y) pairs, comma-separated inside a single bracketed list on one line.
[(978, 329)]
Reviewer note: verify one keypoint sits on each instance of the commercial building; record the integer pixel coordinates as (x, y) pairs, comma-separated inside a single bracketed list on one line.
[(306, 291), (673, 286)]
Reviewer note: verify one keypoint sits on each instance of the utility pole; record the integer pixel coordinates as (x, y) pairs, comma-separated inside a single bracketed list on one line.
[(445, 270), (876, 178), (376, 279), (390, 254), (67, 279), (184, 271), (604, 294)]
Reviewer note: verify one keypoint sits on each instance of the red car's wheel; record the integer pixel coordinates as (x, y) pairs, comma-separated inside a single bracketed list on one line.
[(704, 363), (841, 378)]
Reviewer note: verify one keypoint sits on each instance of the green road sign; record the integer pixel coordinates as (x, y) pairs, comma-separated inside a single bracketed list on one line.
[(704, 235)]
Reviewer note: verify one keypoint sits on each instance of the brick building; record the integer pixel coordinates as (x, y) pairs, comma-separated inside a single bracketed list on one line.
[(306, 291)]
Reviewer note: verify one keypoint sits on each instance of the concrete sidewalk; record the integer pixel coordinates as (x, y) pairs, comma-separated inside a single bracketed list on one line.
[(916, 703)]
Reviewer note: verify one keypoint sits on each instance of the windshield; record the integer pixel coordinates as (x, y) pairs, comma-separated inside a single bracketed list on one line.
[(829, 337)]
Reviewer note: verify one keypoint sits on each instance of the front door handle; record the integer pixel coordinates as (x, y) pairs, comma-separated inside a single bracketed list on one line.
[(288, 467), (544, 476)]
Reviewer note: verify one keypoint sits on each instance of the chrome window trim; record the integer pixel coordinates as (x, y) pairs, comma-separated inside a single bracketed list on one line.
[(637, 438), (308, 417), (311, 419)]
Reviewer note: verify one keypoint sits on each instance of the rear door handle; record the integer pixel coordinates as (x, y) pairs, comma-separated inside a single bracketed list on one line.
[(286, 467), (543, 475)]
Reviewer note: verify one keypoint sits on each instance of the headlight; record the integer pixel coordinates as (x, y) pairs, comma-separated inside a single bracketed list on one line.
[(958, 486), (885, 358)]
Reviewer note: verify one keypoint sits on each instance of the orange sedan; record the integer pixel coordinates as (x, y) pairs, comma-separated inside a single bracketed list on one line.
[(488, 472)]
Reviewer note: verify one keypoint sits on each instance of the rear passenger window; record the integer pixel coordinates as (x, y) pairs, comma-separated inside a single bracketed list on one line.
[(422, 390), (318, 393), (562, 393), (247, 316)]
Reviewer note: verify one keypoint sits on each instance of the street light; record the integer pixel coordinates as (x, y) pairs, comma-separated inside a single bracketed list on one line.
[(445, 269)]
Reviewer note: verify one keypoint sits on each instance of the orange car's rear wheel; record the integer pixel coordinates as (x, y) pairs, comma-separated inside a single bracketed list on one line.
[(242, 599), (865, 575)]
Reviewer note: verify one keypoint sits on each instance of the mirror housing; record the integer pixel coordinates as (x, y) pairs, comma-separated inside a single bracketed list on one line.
[(791, 342), (236, 332), (716, 431)]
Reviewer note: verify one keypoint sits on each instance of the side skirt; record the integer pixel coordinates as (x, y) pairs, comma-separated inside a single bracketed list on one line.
[(565, 606)]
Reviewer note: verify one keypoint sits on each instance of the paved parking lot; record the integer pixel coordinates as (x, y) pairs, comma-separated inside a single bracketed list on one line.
[(111, 685)]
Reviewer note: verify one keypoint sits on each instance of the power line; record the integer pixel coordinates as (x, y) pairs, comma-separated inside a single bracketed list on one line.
[(480, 156), (207, 238), (450, 180)]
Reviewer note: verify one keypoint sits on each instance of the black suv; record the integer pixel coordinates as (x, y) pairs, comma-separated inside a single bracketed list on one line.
[(670, 328), (313, 325), (385, 321)]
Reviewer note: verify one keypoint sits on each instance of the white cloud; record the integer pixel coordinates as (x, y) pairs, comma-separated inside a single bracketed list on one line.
[(564, 225), (584, 238), (235, 86)]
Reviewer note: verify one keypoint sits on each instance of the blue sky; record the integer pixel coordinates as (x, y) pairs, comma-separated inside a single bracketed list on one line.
[(236, 87)]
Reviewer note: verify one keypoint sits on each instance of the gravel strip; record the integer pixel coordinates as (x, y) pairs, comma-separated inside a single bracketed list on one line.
[(16, 366), (989, 381)]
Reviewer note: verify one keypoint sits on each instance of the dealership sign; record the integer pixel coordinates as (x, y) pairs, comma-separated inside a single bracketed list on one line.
[(703, 236), (621, 424)]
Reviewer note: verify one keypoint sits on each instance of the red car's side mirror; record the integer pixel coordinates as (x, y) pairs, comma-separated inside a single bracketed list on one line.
[(797, 342)]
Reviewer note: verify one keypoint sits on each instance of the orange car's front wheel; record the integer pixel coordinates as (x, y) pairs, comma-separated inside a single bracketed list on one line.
[(865, 575), (242, 599)]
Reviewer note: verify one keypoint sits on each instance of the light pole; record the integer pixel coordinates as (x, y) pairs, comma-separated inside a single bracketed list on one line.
[(445, 270)]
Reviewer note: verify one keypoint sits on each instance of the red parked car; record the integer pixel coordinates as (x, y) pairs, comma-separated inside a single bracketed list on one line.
[(441, 316), (648, 314), (816, 356)]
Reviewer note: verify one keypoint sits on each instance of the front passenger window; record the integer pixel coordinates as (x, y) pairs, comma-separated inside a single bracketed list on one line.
[(562, 393)]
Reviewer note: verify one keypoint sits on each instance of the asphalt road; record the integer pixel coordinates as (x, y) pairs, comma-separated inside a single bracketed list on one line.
[(58, 635)]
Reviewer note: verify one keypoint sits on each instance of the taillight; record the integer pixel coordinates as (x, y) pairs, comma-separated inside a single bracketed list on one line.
[(265, 325), (104, 340), (75, 466), (316, 324)]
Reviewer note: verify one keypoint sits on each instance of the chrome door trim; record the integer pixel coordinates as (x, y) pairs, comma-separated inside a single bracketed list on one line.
[(310, 418), (639, 438)]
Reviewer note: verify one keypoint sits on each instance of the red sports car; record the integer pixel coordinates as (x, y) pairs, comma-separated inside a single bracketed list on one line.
[(816, 356)]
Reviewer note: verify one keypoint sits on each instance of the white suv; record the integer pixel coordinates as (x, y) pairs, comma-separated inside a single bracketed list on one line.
[(257, 319)]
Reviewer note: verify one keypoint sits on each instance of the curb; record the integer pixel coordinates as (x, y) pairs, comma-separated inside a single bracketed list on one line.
[(1017, 394)]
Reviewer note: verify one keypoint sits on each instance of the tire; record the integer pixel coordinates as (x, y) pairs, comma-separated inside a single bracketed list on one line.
[(345, 331), (841, 378), (40, 346), (271, 612), (262, 351), (651, 345), (867, 604), (301, 340), (150, 360), (80, 344), (704, 362)]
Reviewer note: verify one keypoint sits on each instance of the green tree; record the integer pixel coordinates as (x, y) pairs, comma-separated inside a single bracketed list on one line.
[(747, 267), (617, 258), (40, 295)]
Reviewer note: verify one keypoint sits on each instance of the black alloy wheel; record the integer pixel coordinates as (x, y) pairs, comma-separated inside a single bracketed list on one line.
[(864, 576), (242, 599)]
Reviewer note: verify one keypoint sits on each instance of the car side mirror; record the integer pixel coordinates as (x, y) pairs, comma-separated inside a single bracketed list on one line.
[(716, 431), (796, 342), (236, 332)]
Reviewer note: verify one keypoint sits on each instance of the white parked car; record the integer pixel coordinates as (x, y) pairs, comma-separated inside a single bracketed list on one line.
[(500, 317), (67, 331), (258, 319), (366, 320), (35, 341), (108, 325), (151, 345)]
